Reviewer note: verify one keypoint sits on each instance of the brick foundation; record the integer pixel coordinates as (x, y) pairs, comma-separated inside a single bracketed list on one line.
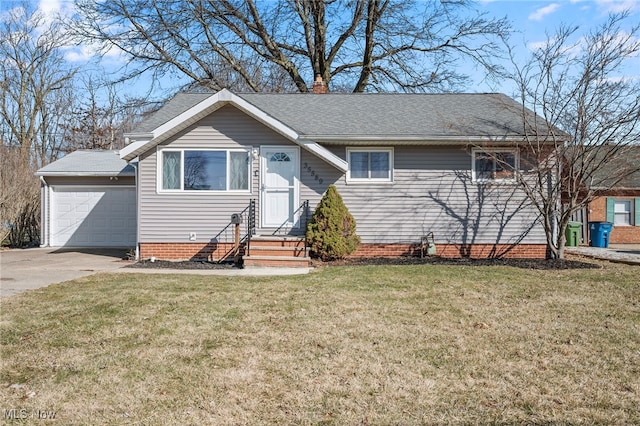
[(185, 251), (214, 251), (476, 251)]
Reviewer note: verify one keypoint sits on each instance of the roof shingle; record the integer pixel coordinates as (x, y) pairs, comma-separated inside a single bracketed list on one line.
[(373, 115), (88, 163)]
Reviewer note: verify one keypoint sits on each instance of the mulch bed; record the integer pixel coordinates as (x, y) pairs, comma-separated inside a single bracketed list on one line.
[(165, 264), (549, 264)]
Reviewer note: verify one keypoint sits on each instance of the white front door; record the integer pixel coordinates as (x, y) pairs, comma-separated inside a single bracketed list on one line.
[(279, 186)]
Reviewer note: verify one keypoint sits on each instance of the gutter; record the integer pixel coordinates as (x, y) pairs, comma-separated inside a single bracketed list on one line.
[(417, 139), (73, 174), (44, 213)]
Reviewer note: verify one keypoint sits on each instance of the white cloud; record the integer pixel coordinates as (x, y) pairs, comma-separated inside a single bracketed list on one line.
[(535, 45), (541, 13), (615, 6), (86, 53), (54, 8)]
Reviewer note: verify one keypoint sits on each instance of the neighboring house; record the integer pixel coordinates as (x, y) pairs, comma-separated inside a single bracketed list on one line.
[(406, 165), (619, 204)]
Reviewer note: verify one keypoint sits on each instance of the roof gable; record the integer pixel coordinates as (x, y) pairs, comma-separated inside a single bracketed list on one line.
[(203, 107)]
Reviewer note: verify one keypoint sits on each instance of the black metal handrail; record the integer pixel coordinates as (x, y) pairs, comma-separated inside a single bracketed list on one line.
[(251, 224), (227, 233), (303, 214)]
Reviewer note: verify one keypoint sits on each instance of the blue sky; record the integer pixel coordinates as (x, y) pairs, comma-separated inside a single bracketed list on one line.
[(531, 20)]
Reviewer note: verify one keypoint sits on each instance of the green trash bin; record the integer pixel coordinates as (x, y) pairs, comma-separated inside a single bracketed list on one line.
[(572, 234)]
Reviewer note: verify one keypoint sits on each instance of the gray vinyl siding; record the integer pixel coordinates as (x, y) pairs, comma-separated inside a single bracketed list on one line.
[(166, 217), (432, 191)]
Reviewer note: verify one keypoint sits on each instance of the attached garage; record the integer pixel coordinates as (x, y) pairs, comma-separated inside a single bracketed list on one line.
[(89, 200), (93, 216)]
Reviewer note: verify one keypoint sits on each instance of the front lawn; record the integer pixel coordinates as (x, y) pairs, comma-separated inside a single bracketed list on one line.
[(417, 344)]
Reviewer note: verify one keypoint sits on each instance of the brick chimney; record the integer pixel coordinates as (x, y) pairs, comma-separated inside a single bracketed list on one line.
[(319, 86)]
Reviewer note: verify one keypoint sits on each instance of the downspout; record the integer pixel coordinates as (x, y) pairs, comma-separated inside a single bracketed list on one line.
[(135, 177), (44, 212)]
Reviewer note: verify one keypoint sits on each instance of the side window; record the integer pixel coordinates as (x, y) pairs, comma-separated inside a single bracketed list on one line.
[(171, 169), (370, 164), (622, 213), (494, 165)]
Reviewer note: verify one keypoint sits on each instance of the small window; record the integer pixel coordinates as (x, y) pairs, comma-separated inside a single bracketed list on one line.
[(205, 170), (368, 165), (494, 165), (622, 213), (280, 157), (171, 164)]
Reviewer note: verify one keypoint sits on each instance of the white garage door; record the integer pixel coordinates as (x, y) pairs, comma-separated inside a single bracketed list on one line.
[(93, 217)]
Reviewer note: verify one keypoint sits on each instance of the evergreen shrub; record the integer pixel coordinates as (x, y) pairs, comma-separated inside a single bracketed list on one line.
[(331, 233)]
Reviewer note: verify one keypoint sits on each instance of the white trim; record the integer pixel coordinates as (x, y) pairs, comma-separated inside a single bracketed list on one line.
[(296, 185), (211, 104), (628, 214), (87, 174), (133, 147), (181, 190), (44, 213), (79, 186), (370, 180), (492, 150), (325, 154)]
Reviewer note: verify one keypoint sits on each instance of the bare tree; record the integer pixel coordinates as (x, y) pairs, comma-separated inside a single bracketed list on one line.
[(578, 87), (19, 199), (35, 86), (361, 45), (35, 81), (100, 117)]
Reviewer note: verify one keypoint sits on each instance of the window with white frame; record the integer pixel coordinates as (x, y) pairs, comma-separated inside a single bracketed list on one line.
[(204, 170), (370, 164), (494, 165), (622, 213)]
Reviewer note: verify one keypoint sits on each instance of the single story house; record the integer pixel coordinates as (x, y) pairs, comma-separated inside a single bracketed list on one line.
[(407, 166), (620, 203)]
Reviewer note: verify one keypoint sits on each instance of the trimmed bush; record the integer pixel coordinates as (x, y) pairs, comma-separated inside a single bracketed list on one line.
[(331, 233)]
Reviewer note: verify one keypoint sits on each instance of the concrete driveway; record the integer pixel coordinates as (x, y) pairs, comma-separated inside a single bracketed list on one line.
[(27, 269)]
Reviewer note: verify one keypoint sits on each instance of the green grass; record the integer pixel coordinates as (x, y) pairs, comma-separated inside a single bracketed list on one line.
[(343, 345)]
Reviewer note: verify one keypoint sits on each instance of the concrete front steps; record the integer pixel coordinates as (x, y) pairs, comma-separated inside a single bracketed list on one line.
[(283, 252)]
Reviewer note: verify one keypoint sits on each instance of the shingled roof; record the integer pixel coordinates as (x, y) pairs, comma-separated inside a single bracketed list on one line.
[(88, 163), (311, 121), (335, 116), (626, 162)]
